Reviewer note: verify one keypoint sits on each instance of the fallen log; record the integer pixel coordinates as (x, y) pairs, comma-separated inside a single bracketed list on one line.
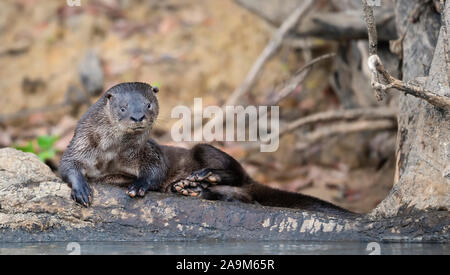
[(35, 205), (346, 24)]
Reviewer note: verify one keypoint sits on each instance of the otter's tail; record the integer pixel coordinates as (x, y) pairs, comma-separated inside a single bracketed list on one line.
[(268, 196)]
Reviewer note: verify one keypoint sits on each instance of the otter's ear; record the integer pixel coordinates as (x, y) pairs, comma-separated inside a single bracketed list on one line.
[(155, 89), (108, 96)]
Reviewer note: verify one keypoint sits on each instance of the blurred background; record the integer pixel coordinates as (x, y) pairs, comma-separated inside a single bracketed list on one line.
[(56, 60)]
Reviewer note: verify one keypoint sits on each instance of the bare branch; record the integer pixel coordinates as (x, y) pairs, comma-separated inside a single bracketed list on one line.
[(293, 83), (299, 77), (376, 67), (352, 114), (273, 45), (343, 24), (372, 28), (345, 128), (269, 50), (366, 119), (373, 39)]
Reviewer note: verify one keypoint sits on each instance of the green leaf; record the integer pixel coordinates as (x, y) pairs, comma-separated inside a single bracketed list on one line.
[(48, 154), (29, 148), (46, 142)]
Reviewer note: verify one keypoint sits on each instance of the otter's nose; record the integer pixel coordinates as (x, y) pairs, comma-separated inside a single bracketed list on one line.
[(137, 118)]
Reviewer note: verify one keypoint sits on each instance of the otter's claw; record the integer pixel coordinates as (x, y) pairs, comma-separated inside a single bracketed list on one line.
[(185, 188), (204, 175), (196, 183), (82, 195), (138, 188)]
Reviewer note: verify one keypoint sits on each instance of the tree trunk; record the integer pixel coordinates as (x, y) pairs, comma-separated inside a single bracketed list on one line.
[(423, 143)]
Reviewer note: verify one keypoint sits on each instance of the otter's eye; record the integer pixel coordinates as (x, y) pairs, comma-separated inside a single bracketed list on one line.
[(123, 109), (149, 106)]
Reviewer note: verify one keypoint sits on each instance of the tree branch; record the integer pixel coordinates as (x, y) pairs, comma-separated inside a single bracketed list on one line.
[(293, 83), (273, 45), (298, 78), (368, 119), (377, 69), (372, 28), (352, 114), (344, 128)]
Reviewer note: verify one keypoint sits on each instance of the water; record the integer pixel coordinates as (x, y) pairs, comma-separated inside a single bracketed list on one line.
[(227, 248)]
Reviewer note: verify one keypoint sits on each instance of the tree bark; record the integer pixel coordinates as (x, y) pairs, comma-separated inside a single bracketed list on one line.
[(423, 143)]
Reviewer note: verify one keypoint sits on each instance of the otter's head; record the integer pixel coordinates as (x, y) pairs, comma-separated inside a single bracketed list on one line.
[(133, 106)]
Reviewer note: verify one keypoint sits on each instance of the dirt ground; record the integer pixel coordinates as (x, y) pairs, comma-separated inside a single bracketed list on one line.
[(189, 48)]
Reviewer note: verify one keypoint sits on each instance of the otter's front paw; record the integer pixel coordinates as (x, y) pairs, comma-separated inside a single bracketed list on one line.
[(82, 194), (138, 188)]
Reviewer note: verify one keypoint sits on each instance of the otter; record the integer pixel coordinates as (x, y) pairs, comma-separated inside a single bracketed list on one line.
[(111, 144)]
